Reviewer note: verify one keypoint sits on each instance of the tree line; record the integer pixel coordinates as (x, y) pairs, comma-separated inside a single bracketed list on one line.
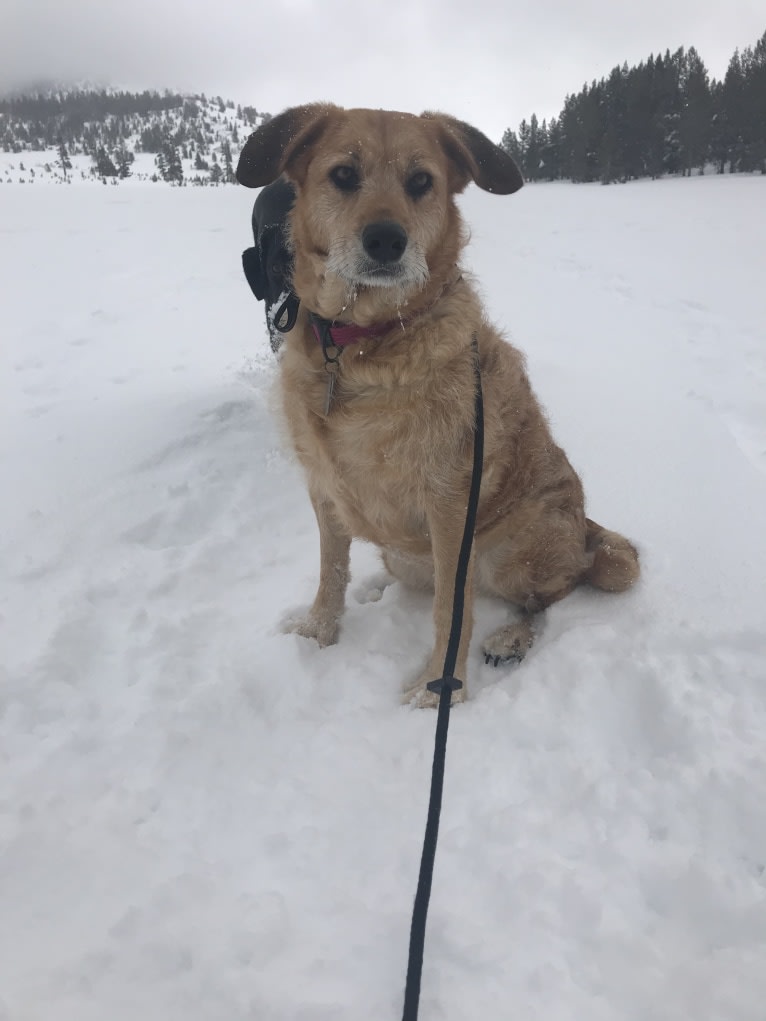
[(664, 116), (111, 126)]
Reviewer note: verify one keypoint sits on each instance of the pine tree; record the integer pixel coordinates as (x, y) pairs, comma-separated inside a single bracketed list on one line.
[(759, 100), (510, 143), (523, 145), (718, 145), (169, 163), (533, 155), (661, 102), (732, 95), (753, 114), (696, 113), (612, 152), (104, 165), (123, 159), (64, 162), (228, 164), (551, 156)]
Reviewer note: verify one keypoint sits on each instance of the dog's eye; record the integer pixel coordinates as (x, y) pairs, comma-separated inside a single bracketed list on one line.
[(419, 184), (344, 177)]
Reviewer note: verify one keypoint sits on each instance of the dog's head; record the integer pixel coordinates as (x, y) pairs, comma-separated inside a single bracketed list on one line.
[(374, 223)]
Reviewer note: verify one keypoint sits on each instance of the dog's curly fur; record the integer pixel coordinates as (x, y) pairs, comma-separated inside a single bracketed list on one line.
[(391, 461)]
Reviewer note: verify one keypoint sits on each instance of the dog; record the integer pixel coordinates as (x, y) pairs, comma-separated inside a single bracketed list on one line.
[(377, 381)]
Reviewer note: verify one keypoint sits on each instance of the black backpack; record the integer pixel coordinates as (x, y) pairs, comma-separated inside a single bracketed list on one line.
[(268, 264)]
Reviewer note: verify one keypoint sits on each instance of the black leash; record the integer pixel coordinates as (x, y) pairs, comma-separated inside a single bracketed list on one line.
[(444, 687)]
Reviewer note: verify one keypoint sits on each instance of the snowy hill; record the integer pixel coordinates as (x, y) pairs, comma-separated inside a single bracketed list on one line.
[(98, 136), (204, 818)]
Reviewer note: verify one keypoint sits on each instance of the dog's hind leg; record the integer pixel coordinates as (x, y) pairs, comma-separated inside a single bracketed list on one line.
[(531, 571), (563, 551)]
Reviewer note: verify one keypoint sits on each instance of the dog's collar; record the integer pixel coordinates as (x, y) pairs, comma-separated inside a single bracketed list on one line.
[(342, 334), (339, 335)]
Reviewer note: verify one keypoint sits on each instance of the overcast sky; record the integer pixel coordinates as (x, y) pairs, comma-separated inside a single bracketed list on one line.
[(490, 62)]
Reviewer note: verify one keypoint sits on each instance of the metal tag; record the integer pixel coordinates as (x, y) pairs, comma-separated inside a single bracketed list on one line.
[(332, 373)]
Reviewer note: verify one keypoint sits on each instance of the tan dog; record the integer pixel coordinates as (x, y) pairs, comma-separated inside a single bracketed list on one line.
[(376, 239)]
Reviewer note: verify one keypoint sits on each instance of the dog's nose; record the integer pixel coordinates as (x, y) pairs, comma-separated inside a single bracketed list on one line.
[(385, 241)]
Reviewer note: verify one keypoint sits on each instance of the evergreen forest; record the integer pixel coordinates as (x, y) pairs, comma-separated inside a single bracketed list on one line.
[(665, 116)]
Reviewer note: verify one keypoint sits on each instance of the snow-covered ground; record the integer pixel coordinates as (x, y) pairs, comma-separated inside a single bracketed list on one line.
[(41, 168), (203, 818)]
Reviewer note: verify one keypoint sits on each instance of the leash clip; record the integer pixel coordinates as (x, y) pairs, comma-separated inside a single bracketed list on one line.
[(451, 683)]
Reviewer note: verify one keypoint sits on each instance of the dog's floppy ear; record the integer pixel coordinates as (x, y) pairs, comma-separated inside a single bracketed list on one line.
[(278, 145), (475, 158)]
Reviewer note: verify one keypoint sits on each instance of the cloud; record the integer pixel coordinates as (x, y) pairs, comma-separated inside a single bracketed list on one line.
[(484, 61)]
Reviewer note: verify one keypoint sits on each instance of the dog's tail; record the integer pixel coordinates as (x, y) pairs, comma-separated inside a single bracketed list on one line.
[(614, 565)]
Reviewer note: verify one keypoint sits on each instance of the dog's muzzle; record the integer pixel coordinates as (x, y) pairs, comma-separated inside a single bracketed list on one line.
[(380, 255)]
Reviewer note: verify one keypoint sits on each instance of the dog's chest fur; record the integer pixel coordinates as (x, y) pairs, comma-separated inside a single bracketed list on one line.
[(397, 434)]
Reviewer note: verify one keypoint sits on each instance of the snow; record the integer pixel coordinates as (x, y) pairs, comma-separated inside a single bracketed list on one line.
[(41, 168), (202, 817)]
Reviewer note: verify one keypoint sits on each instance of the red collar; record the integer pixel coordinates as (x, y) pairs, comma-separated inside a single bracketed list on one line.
[(343, 334)]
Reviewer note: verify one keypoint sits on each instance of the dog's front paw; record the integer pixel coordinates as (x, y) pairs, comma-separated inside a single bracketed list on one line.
[(324, 630), (418, 695), (510, 644)]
